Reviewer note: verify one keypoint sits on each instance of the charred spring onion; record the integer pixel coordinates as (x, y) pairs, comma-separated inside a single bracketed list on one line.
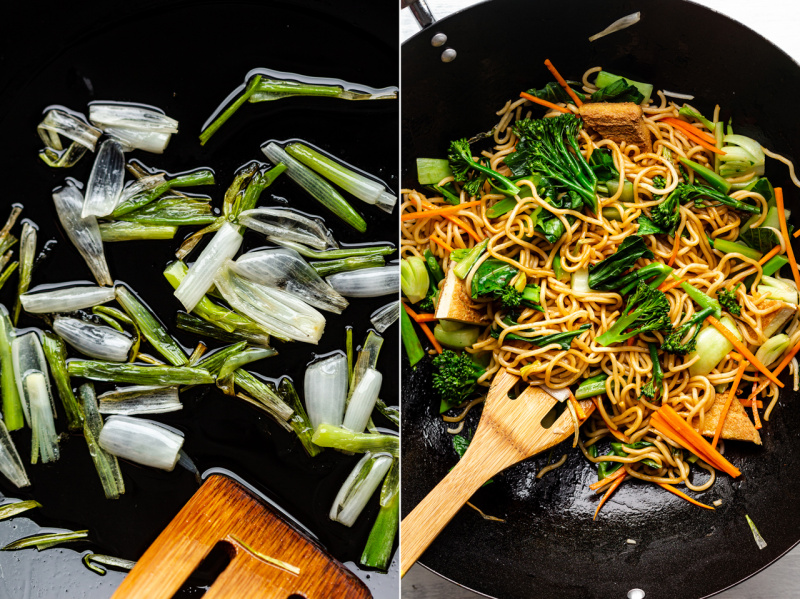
[(45, 541), (331, 267), (152, 329), (359, 486), (140, 399), (55, 351), (12, 406), (69, 299), (105, 463), (378, 550), (27, 254), (327, 435), (325, 387), (138, 374), (299, 421), (142, 441)]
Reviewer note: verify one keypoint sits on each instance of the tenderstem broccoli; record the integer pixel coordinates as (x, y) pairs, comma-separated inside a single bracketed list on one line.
[(699, 194), (677, 343), (456, 378), (728, 301), (647, 310), (667, 215), (462, 164)]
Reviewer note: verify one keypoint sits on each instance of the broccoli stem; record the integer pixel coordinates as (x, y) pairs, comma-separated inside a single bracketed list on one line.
[(661, 271), (703, 300)]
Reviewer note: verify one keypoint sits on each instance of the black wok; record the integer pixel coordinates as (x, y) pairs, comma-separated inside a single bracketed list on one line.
[(186, 57), (549, 546)]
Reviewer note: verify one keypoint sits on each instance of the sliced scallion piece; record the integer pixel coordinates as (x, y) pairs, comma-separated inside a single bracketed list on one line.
[(69, 299), (90, 560), (10, 510), (243, 358), (369, 282), (319, 189), (281, 225), (126, 231), (367, 359), (12, 406), (210, 129), (10, 462), (273, 404), (276, 85), (299, 421), (335, 254), (362, 400), (105, 463), (142, 441), (172, 211), (134, 202), (44, 439), (327, 435), (7, 240), (61, 123), (55, 350), (27, 254), (138, 374), (359, 486), (192, 324), (7, 273), (152, 329), (392, 413), (378, 550), (325, 386), (46, 541), (386, 316), (140, 399), (95, 341), (131, 116), (106, 180), (331, 267)]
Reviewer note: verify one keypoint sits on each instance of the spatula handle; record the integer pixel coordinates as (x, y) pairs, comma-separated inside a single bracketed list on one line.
[(428, 519)]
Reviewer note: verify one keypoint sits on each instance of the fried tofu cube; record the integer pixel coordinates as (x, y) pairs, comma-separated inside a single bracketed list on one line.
[(455, 302), (774, 321), (737, 423), (623, 121)]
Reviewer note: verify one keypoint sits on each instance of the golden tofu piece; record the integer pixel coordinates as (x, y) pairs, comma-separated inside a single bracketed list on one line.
[(455, 302), (774, 321), (737, 423), (618, 121)]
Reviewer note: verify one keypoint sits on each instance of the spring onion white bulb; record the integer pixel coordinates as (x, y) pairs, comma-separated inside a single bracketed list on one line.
[(283, 224), (386, 316), (285, 269), (279, 313), (140, 399), (325, 388), (359, 486), (84, 233), (27, 356), (200, 277), (129, 116), (44, 441), (773, 348), (106, 180), (10, 462), (142, 441), (362, 401), (66, 300), (367, 282), (103, 343), (57, 122), (364, 188)]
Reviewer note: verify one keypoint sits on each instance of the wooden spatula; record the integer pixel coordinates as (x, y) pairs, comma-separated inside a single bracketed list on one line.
[(509, 431), (225, 511)]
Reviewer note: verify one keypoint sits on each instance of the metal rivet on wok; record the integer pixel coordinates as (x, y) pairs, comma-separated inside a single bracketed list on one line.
[(440, 39), (448, 55)]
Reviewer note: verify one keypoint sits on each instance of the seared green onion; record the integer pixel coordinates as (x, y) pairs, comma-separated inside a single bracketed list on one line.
[(335, 254), (172, 211), (140, 399), (125, 231), (325, 387), (7, 273), (46, 541), (378, 550), (210, 129), (91, 559), (105, 463), (370, 282), (151, 327), (95, 341), (10, 510), (362, 400), (359, 486), (328, 435), (198, 177), (275, 85), (392, 413), (386, 316), (12, 406), (243, 358), (270, 401), (10, 462), (55, 350), (27, 253), (7, 240), (138, 374), (331, 267), (106, 180), (192, 324), (142, 441), (44, 439), (299, 421), (69, 299)]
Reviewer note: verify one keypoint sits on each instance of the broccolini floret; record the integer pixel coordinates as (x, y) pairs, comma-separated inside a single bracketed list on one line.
[(667, 214), (675, 343), (456, 378), (462, 164), (659, 182), (728, 301), (699, 194), (647, 310)]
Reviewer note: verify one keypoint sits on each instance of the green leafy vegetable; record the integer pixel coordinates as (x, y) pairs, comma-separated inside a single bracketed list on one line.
[(553, 92), (700, 195), (414, 278), (462, 165), (605, 275), (653, 386), (659, 182), (620, 90), (647, 310)]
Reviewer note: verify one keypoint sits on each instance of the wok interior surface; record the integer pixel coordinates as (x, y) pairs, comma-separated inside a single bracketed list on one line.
[(549, 546), (186, 57)]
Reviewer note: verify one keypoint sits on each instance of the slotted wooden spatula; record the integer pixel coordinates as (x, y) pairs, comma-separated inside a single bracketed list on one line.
[(509, 431), (225, 511)]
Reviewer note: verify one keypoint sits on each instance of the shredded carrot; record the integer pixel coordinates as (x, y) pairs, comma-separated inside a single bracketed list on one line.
[(426, 318), (440, 243), (683, 495), (756, 417), (578, 408), (769, 255), (667, 285), (747, 403), (425, 328), (611, 489), (563, 83), (674, 255), (785, 362), (613, 428), (608, 479), (684, 125), (439, 211), (742, 349), (796, 233), (527, 96), (731, 394), (410, 312), (785, 232), (460, 223), (694, 134)]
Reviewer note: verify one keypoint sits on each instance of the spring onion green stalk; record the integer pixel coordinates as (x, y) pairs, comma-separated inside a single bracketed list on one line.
[(10, 462), (392, 413), (44, 439), (336, 254), (278, 313), (331, 267), (378, 550), (90, 560), (591, 387), (103, 343), (385, 316), (712, 346), (702, 299), (200, 277), (714, 180), (12, 407), (152, 329), (359, 486), (60, 123), (56, 353), (325, 386), (462, 269), (362, 401), (364, 188), (286, 270), (414, 279), (210, 129), (7, 273), (192, 324), (432, 170), (777, 289), (272, 403), (27, 254), (138, 374), (243, 358), (125, 231), (172, 211), (456, 338), (105, 463), (142, 441), (84, 233), (137, 201), (319, 189), (773, 348), (369, 282), (46, 541), (68, 299), (300, 422), (411, 342), (140, 399), (214, 361), (106, 180), (732, 247), (10, 510), (27, 356), (327, 435), (276, 85)]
